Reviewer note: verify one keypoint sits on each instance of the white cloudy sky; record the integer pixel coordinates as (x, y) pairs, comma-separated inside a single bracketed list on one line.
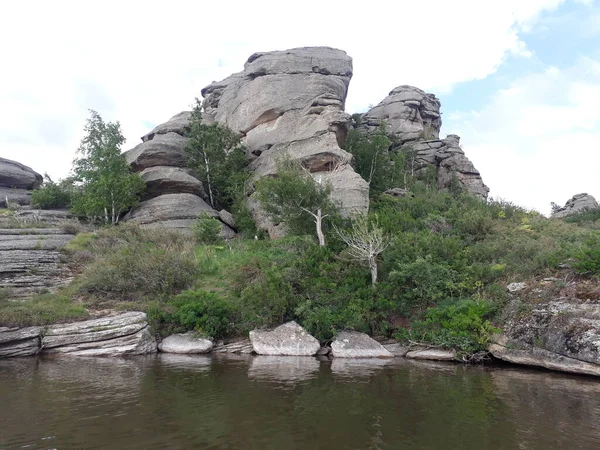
[(519, 80)]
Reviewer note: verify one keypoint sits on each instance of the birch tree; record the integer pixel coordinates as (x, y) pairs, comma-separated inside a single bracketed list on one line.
[(106, 187), (365, 241), (214, 152), (297, 198)]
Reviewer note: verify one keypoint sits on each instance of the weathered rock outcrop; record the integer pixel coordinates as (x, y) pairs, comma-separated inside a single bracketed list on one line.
[(174, 197), (16, 182), (121, 335), (289, 339), (188, 343), (578, 203), (30, 260), (290, 105), (557, 332), (409, 113), (432, 354), (412, 118), (352, 344)]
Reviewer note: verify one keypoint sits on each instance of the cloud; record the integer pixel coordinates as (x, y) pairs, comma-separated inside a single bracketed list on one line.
[(538, 140), (142, 62)]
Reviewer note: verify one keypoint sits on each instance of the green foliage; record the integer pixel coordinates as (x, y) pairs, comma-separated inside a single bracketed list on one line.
[(373, 160), (462, 325), (132, 263), (587, 256), (107, 188), (43, 309), (208, 230), (219, 160), (53, 195), (295, 197), (587, 217), (203, 312)]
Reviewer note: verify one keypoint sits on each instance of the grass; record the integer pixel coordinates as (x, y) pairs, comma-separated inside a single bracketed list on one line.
[(44, 309)]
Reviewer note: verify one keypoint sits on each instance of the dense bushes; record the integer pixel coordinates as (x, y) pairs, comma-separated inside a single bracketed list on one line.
[(132, 263), (53, 195)]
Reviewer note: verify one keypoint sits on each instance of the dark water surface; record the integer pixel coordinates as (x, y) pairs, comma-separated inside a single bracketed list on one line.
[(181, 402)]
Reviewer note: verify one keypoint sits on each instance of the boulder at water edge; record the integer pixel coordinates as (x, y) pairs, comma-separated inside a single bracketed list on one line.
[(289, 339), (185, 343), (352, 344)]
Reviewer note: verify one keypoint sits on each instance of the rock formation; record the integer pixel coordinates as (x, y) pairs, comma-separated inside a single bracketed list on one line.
[(122, 335), (352, 344), (289, 339), (559, 332), (290, 105), (188, 343), (578, 203), (412, 119), (16, 182), (174, 197)]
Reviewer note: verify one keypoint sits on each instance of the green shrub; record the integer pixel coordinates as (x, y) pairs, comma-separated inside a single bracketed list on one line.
[(587, 256), (203, 312), (208, 230), (135, 263), (588, 216), (52, 195), (463, 325)]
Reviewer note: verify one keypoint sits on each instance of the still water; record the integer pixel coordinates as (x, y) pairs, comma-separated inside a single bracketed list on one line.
[(185, 402)]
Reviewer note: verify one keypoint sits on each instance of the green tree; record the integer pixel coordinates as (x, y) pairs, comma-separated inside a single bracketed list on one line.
[(107, 186), (52, 194), (297, 198), (216, 155), (373, 160)]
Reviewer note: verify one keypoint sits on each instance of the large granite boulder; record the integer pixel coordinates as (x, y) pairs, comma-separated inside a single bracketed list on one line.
[(16, 182), (17, 175), (289, 339), (578, 203), (179, 124), (352, 344), (188, 343), (122, 335), (290, 105), (163, 150), (170, 180), (409, 113)]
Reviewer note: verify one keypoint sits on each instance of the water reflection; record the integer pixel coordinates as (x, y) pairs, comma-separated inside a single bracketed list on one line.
[(287, 369), (180, 402)]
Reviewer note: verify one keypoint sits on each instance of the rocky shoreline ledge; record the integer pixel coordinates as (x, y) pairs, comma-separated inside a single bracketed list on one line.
[(128, 334)]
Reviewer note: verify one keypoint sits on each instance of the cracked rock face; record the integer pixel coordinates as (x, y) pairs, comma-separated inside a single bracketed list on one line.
[(412, 118), (577, 203), (289, 339), (410, 114), (290, 104)]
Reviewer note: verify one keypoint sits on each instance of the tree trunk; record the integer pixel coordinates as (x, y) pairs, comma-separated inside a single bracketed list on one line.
[(210, 193), (373, 267), (319, 223)]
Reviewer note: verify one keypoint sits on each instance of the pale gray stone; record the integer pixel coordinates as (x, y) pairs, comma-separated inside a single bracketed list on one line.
[(19, 341), (17, 175), (578, 203), (121, 335), (352, 344), (170, 180), (163, 150), (179, 124), (432, 354), (516, 287), (242, 346), (289, 339), (227, 218), (185, 343), (170, 207), (14, 196), (397, 349)]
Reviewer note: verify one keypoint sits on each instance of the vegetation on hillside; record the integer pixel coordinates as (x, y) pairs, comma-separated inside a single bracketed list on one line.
[(442, 269)]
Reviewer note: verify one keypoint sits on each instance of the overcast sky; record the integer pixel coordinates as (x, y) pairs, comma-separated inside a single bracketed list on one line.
[(519, 80)]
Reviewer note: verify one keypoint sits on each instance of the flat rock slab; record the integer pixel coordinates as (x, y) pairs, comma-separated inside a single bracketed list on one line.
[(432, 354), (188, 343), (289, 339), (397, 349), (19, 341), (352, 344), (243, 346), (538, 357), (124, 334)]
